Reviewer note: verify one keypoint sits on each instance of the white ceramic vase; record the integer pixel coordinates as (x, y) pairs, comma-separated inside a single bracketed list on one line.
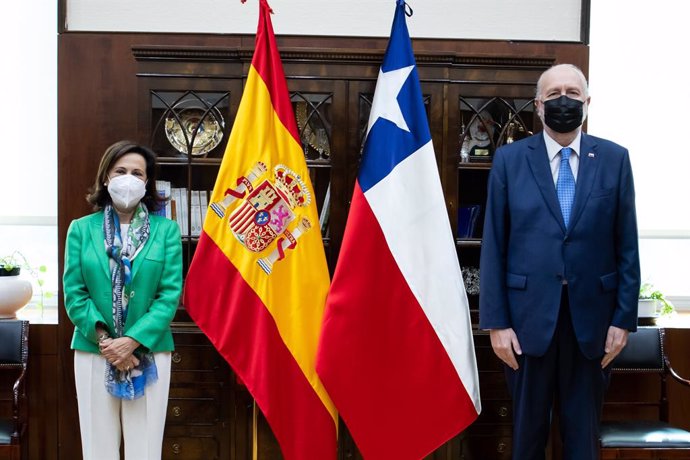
[(15, 293), (647, 308)]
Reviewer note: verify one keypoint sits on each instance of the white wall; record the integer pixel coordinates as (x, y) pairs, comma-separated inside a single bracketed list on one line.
[(638, 83), (28, 162), (29, 112), (485, 19)]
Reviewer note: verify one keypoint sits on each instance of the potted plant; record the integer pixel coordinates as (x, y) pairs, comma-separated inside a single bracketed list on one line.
[(652, 302), (16, 292)]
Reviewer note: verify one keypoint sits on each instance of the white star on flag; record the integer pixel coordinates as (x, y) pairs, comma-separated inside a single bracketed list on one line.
[(385, 104)]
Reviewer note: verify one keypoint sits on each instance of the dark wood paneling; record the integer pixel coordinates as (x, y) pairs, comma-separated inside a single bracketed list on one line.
[(96, 93)]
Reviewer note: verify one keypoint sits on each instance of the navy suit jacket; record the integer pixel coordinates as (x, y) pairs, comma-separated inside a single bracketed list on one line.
[(527, 251)]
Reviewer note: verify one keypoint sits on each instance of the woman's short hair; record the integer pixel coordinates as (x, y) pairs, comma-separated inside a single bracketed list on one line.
[(98, 194)]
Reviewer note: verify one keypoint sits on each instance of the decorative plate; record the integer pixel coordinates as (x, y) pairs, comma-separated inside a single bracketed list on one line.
[(208, 130)]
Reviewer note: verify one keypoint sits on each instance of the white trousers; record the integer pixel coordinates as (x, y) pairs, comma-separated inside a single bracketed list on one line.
[(105, 419)]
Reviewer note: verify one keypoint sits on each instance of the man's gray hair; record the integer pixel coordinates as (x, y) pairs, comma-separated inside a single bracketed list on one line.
[(574, 68)]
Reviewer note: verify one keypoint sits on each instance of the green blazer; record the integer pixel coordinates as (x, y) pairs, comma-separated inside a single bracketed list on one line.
[(155, 290)]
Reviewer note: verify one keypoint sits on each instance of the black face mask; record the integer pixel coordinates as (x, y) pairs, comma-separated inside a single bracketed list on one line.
[(563, 115)]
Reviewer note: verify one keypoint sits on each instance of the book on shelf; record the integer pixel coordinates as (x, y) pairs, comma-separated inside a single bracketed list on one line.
[(325, 212), (188, 209), (164, 191), (184, 211), (179, 197), (203, 194), (195, 211), (173, 209), (467, 220), (175, 199)]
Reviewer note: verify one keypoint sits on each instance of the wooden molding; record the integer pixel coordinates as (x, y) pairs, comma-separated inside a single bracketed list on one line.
[(206, 54)]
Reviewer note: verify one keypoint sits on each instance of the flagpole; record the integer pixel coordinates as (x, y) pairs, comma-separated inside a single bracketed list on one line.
[(255, 437)]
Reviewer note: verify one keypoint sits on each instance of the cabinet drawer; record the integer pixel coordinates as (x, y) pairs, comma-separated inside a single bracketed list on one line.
[(496, 411), (492, 385), (196, 357), (196, 403), (187, 389), (197, 411), (190, 335), (487, 447), (190, 448), (488, 441), (487, 360)]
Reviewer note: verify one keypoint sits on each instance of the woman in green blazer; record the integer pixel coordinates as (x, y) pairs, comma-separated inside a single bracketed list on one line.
[(122, 283)]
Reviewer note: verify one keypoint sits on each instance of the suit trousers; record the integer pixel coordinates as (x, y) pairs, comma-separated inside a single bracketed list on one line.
[(564, 376), (105, 419)]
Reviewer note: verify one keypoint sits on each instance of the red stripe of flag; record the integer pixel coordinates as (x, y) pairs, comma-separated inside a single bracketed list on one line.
[(247, 317), (387, 395), (270, 67)]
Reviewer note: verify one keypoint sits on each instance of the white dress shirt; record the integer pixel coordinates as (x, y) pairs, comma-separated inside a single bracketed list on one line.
[(553, 149)]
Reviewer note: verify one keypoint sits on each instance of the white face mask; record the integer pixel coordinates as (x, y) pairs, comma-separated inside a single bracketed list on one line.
[(126, 191)]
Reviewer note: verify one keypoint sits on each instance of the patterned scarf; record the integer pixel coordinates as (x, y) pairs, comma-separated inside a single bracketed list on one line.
[(126, 384)]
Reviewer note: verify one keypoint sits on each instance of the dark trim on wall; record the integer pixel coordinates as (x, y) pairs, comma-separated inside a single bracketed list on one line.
[(585, 18), (62, 16)]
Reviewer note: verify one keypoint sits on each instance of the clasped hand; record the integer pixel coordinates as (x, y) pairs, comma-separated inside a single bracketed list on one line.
[(119, 352)]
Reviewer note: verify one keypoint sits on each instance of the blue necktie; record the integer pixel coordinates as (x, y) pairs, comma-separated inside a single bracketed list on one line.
[(565, 185)]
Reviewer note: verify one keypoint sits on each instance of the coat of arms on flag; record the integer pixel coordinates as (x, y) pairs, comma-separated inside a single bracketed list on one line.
[(266, 210)]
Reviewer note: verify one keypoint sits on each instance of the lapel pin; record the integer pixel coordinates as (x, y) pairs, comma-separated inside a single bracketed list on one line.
[(590, 154)]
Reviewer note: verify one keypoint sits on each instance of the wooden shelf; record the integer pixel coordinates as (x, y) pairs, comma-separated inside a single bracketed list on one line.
[(184, 161), (475, 166), (468, 242)]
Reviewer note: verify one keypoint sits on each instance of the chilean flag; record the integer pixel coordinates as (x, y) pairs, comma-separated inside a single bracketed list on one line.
[(396, 352)]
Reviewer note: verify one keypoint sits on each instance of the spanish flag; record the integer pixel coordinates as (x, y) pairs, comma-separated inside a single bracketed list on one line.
[(258, 281)]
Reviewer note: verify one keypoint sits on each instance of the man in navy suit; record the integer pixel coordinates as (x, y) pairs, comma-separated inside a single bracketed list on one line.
[(559, 276)]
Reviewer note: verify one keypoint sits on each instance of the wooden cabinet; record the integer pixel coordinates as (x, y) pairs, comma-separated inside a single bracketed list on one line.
[(490, 436), (471, 88), (200, 416)]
